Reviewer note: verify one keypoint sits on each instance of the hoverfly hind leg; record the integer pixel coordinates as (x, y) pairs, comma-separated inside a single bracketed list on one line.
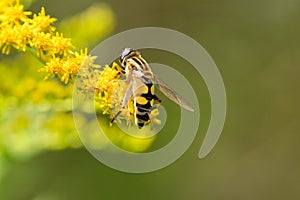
[(155, 106)]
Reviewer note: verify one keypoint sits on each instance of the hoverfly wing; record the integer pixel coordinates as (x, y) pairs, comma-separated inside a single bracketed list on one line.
[(129, 90), (132, 84), (171, 94), (128, 94)]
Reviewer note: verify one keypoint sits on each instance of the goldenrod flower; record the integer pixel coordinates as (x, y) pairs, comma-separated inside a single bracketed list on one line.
[(42, 22), (10, 37), (105, 88), (23, 31), (61, 45), (65, 68), (19, 31), (12, 13), (41, 42)]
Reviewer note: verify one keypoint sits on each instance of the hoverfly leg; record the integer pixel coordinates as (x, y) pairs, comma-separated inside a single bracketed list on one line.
[(156, 98), (151, 125), (154, 107), (115, 117)]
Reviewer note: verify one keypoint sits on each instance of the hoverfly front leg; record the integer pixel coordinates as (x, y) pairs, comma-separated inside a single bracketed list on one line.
[(115, 117)]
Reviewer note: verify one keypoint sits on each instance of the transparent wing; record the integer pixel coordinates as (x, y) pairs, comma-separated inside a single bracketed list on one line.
[(129, 90), (132, 82), (171, 94), (128, 95)]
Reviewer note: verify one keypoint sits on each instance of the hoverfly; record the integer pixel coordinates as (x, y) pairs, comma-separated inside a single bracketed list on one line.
[(140, 87)]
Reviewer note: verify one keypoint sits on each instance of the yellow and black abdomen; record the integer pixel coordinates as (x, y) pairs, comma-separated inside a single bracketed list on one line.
[(143, 102)]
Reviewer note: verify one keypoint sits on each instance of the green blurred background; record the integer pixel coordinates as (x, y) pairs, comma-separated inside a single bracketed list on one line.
[(254, 43)]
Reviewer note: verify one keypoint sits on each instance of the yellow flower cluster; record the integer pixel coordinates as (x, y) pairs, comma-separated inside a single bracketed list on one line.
[(66, 67), (37, 113), (23, 31), (20, 31), (106, 86)]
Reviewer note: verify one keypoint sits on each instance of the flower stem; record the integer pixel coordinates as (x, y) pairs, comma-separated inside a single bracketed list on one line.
[(34, 53)]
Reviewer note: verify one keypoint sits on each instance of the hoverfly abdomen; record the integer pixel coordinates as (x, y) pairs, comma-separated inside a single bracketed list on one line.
[(149, 95), (142, 119), (143, 102)]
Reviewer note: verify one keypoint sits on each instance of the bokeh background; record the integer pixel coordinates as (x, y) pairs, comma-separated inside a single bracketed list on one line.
[(254, 43)]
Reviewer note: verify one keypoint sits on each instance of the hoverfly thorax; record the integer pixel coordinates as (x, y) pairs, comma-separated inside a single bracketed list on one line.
[(131, 59)]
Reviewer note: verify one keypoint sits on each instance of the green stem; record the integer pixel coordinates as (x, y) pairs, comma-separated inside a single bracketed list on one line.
[(34, 53)]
